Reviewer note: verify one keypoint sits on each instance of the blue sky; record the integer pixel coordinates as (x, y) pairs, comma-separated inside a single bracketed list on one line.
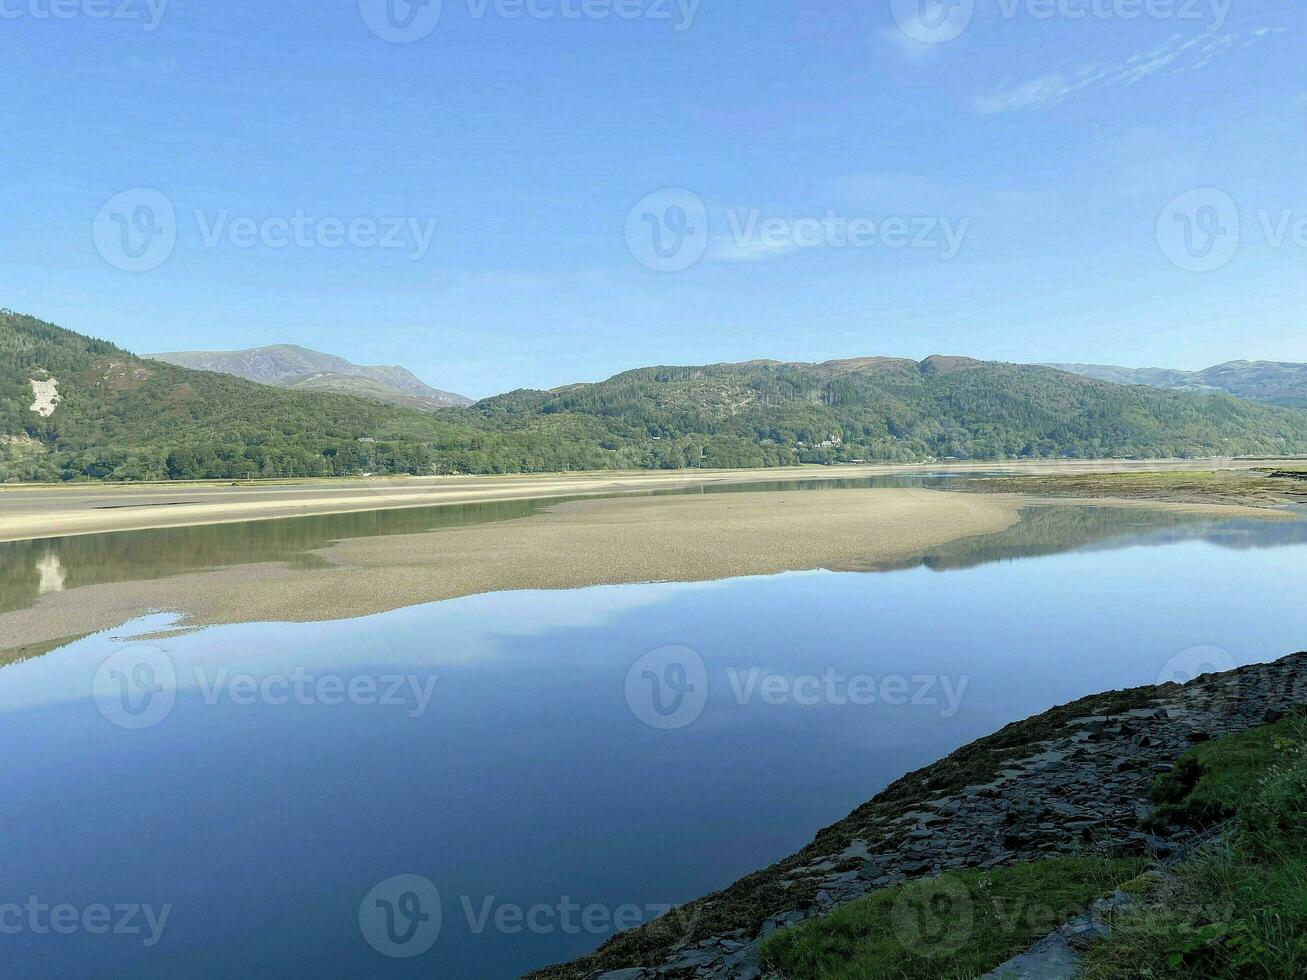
[(1022, 191)]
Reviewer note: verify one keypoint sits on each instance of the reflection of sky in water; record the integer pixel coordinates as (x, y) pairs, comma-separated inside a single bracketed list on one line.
[(529, 778)]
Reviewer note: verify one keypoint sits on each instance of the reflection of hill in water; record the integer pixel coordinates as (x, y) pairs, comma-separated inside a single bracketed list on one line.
[(1052, 529), (29, 569)]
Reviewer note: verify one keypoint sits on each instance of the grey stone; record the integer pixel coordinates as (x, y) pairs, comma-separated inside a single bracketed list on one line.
[(1049, 959)]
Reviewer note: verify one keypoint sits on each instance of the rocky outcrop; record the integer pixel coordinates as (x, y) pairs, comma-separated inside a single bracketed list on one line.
[(1057, 955), (45, 396), (1070, 781)]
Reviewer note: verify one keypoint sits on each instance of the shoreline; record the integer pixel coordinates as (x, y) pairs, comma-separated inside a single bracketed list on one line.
[(1072, 780), (51, 511)]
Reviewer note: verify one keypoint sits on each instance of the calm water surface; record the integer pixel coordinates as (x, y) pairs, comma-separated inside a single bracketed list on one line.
[(518, 766)]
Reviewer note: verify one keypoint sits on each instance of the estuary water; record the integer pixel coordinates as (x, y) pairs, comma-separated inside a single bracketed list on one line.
[(479, 787)]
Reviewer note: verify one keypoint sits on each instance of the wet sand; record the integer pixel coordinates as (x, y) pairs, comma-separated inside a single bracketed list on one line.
[(571, 545), (60, 511)]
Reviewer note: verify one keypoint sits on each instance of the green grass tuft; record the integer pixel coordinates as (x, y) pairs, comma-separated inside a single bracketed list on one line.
[(1237, 908), (958, 925)]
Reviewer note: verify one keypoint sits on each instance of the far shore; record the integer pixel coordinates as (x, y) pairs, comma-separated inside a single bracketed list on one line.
[(43, 511)]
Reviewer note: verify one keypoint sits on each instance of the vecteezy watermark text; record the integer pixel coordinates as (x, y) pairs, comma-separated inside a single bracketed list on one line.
[(407, 21), (751, 230), (564, 916), (148, 12), (832, 687), (300, 687), (937, 917), (680, 14), (941, 21), (39, 918), (668, 688), (670, 230), (1210, 13), (137, 231), (137, 688), (302, 230)]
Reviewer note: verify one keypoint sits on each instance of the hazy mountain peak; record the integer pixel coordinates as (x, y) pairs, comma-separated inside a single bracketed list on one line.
[(300, 368), (1280, 383)]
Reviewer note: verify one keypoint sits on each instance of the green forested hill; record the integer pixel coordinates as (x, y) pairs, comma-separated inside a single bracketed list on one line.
[(125, 418), (767, 413), (121, 417)]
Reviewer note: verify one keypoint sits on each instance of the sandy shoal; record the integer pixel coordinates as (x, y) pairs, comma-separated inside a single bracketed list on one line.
[(69, 509), (573, 545)]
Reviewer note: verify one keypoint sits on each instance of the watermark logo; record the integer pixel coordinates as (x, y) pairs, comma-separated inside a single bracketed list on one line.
[(934, 918), (667, 231), (667, 688), (149, 13), (1218, 694), (38, 918), (1189, 665), (136, 688), (1199, 230), (136, 231), (401, 917), (401, 21), (933, 21), (1203, 229), (836, 689)]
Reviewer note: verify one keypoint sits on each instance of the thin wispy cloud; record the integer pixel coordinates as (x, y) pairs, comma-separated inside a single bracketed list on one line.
[(1175, 56)]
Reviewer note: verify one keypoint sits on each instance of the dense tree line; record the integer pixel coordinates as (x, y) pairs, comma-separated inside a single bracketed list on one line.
[(122, 418)]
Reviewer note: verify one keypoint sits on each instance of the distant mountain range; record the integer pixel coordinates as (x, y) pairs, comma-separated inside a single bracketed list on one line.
[(301, 369), (75, 408), (1269, 382)]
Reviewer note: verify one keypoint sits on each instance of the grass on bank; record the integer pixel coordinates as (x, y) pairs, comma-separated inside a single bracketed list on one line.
[(958, 925), (1237, 908)]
